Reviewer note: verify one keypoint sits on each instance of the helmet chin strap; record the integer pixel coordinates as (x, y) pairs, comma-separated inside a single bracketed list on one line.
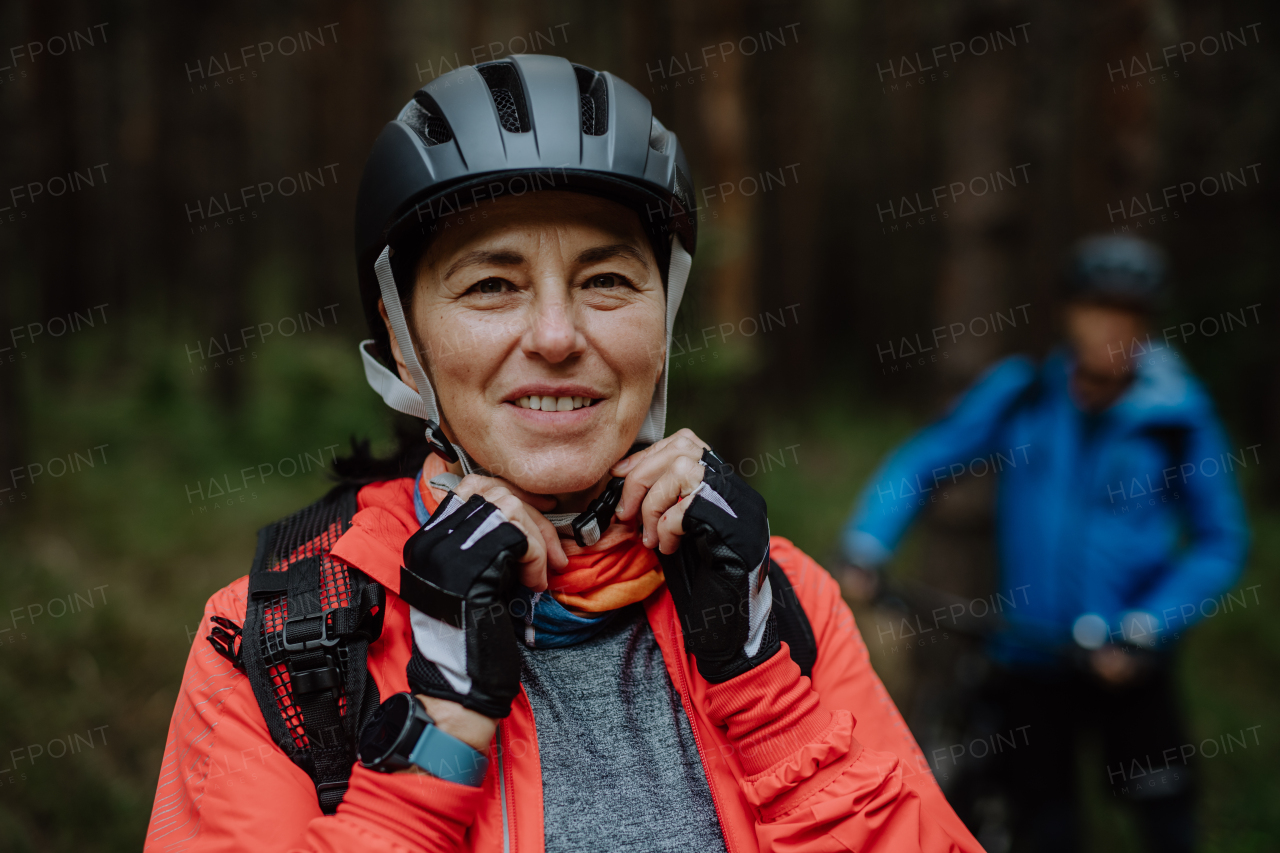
[(396, 393), (655, 422), (422, 403)]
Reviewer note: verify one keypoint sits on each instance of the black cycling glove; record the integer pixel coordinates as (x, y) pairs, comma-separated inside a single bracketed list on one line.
[(459, 578), (719, 576)]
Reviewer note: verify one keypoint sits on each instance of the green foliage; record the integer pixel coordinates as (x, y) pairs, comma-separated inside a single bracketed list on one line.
[(144, 536)]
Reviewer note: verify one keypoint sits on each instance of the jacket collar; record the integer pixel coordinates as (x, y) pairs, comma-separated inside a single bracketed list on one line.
[(1162, 392), (383, 522)]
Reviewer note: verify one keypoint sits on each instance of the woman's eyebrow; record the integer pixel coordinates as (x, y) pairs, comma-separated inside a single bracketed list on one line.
[(483, 257), (597, 254)]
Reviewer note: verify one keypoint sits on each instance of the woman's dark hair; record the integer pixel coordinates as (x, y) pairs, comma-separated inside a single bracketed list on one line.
[(361, 467)]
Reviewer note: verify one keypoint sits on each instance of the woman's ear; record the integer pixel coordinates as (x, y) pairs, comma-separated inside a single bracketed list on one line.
[(395, 349)]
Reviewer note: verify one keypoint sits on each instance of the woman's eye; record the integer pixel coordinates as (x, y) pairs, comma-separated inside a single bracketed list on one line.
[(606, 280), (490, 285)]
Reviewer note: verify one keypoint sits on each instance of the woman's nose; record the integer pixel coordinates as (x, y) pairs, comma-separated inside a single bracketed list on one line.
[(553, 332)]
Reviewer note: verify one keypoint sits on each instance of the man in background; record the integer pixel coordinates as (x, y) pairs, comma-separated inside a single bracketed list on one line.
[(1117, 515)]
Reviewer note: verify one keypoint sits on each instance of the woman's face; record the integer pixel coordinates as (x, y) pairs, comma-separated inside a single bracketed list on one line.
[(543, 326)]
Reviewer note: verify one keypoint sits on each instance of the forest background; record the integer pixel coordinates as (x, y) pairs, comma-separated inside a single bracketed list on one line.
[(869, 173)]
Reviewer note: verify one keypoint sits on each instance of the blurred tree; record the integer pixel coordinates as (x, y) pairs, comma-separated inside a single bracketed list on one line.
[(794, 135)]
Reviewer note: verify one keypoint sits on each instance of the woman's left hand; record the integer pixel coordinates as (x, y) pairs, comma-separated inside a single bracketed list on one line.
[(659, 478), (712, 533)]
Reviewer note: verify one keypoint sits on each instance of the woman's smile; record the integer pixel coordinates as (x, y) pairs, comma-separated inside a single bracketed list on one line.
[(556, 410), (551, 403), (554, 397)]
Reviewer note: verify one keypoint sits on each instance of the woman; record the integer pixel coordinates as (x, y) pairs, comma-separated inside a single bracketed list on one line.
[(581, 626)]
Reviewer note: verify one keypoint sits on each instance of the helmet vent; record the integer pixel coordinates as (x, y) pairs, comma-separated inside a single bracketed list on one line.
[(658, 136), (506, 105), (593, 101), (508, 95), (681, 190), (424, 117)]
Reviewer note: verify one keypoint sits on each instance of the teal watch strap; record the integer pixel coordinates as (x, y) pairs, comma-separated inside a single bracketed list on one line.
[(445, 757)]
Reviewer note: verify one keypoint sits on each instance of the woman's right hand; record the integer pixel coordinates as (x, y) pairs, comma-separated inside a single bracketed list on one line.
[(459, 578), (471, 727), (524, 510)]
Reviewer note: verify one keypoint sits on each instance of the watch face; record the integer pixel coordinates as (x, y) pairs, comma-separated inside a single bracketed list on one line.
[(384, 729)]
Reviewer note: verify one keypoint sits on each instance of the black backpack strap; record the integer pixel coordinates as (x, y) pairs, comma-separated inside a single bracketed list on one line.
[(308, 624), (793, 623)]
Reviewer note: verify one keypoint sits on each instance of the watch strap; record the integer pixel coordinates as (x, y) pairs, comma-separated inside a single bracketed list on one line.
[(445, 757)]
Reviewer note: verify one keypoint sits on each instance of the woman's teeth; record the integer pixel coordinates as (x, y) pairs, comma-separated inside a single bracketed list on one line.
[(554, 404)]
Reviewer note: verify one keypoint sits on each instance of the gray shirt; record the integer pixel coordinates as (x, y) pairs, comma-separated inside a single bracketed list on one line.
[(620, 767)]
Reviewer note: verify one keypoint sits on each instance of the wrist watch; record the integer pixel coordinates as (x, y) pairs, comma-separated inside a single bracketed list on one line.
[(401, 734)]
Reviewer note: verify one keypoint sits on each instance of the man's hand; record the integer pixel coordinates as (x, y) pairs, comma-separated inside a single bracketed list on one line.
[(1114, 665), (712, 534)]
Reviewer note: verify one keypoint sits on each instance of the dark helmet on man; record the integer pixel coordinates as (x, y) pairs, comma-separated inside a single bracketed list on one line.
[(1127, 272)]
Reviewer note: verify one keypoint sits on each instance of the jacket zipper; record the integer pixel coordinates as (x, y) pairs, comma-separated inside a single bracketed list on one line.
[(502, 788), (697, 739)]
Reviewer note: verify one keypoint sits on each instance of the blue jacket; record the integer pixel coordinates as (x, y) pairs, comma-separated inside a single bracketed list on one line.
[(1132, 514)]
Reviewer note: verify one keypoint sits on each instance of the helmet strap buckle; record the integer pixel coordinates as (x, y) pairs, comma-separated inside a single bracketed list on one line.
[(590, 525), (439, 442)]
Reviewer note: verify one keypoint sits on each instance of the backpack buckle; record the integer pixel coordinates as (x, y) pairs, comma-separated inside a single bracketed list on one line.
[(326, 676), (307, 625), (330, 794)]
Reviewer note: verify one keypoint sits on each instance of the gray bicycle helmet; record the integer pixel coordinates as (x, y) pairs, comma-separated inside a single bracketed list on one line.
[(1115, 270), (521, 124)]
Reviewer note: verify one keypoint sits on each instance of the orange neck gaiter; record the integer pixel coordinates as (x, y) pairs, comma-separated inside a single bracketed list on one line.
[(616, 571)]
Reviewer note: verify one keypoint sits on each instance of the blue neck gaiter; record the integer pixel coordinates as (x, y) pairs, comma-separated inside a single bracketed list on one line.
[(548, 624)]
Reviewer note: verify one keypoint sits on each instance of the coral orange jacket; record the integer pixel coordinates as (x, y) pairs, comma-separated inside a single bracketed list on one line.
[(792, 764)]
